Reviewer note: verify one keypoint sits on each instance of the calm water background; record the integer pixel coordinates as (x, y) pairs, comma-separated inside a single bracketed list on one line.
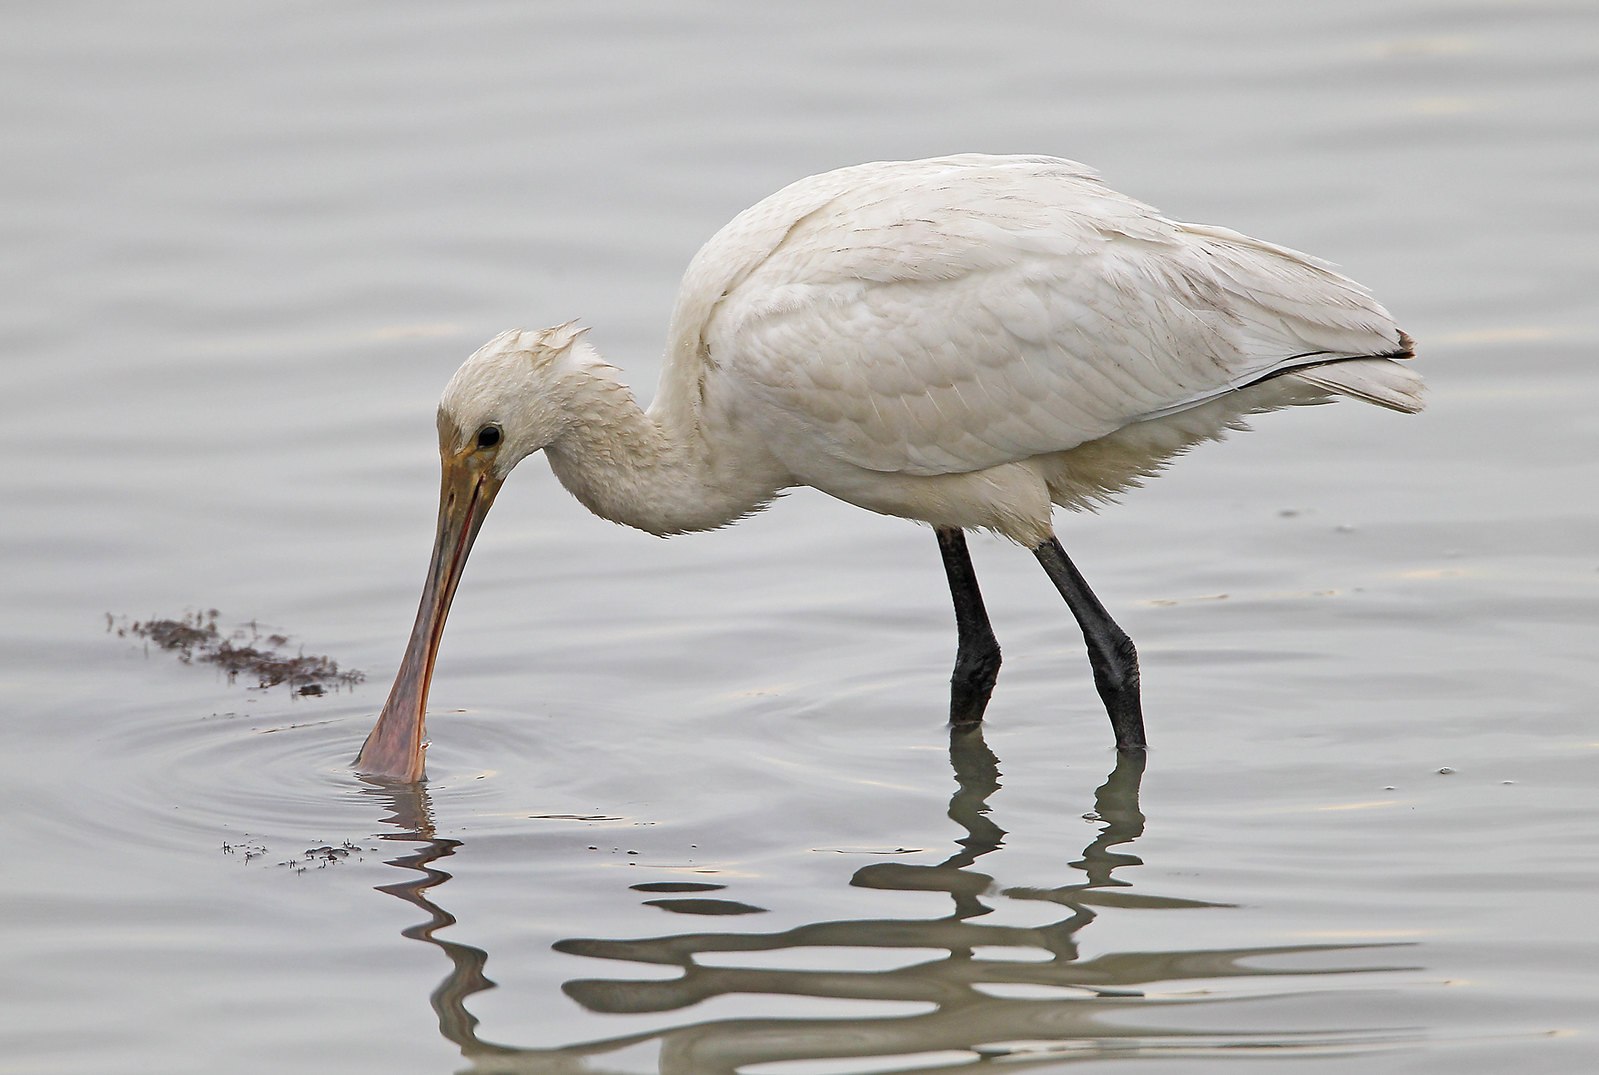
[(243, 247)]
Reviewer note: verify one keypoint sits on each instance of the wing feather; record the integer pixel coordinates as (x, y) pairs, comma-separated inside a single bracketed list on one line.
[(946, 316)]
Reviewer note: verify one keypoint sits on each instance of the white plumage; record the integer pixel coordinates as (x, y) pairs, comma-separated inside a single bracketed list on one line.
[(964, 341)]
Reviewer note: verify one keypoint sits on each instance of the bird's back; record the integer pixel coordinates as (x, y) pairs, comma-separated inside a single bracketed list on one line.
[(950, 315)]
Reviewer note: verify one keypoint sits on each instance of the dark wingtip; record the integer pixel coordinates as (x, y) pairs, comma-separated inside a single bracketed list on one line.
[(1407, 346)]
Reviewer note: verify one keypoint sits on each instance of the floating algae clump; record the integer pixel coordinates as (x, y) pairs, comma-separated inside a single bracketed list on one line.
[(244, 652)]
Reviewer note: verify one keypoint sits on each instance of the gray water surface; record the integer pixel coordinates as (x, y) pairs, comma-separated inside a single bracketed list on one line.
[(692, 806)]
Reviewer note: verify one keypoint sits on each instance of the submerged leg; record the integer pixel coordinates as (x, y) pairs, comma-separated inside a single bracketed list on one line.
[(1110, 651), (977, 654)]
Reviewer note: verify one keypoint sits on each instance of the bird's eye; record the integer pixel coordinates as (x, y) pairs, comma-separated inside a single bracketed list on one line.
[(488, 436)]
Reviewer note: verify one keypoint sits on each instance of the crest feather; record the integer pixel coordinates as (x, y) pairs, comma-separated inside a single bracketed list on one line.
[(539, 345), (558, 338)]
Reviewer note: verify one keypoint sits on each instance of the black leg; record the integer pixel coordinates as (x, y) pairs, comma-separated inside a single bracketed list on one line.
[(1110, 651), (977, 655)]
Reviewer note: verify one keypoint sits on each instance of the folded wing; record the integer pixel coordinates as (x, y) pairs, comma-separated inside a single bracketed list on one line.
[(973, 311)]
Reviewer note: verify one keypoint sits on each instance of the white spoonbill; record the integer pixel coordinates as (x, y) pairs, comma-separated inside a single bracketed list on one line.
[(965, 341)]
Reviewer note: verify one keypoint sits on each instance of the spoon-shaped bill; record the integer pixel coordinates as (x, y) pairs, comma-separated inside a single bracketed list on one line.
[(393, 749)]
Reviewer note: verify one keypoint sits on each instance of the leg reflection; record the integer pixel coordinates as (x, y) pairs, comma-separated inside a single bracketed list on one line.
[(996, 989)]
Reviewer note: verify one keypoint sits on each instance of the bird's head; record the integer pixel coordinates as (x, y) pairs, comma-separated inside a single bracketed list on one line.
[(507, 401), (504, 403)]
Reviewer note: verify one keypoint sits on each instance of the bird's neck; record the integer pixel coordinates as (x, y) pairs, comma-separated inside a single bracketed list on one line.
[(657, 471)]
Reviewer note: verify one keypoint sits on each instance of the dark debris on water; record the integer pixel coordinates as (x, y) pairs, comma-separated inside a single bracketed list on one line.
[(314, 858), (244, 652)]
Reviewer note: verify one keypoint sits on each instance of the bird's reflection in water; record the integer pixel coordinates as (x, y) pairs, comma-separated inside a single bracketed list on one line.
[(1043, 1006)]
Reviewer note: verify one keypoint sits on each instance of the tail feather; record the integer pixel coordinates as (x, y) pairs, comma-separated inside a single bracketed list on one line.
[(1382, 381)]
